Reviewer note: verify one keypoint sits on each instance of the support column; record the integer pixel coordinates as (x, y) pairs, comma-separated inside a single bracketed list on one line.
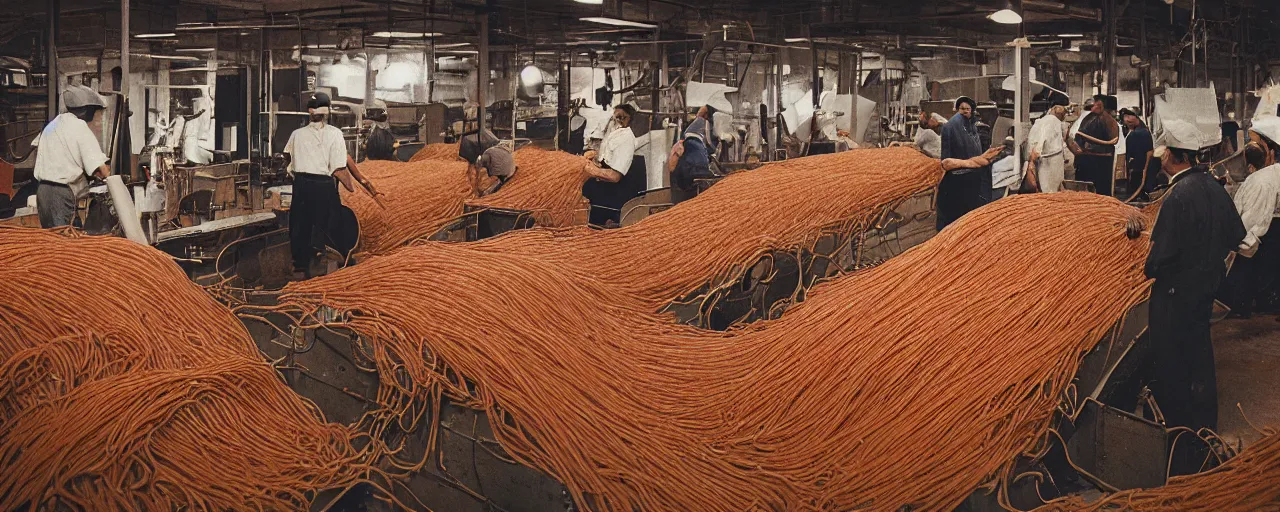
[(482, 67), (1021, 98), (52, 10)]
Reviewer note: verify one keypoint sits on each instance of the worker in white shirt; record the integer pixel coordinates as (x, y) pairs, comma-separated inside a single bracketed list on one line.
[(1047, 162), (68, 154), (619, 176), (1258, 201), (317, 155), (617, 149), (928, 138)]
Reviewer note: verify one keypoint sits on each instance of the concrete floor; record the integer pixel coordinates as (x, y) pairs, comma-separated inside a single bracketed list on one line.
[(1247, 356)]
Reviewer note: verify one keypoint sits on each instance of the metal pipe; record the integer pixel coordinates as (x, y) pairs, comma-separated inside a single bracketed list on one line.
[(124, 49), (482, 69), (1050, 6)]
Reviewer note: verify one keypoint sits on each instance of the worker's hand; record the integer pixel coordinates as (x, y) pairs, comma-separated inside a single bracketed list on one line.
[(992, 153), (591, 155), (1133, 226), (678, 149), (373, 191)]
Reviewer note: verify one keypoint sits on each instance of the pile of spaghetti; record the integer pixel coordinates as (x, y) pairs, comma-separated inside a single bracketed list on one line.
[(1249, 482), (909, 384), (438, 151), (548, 184), (418, 199), (124, 386), (711, 239)]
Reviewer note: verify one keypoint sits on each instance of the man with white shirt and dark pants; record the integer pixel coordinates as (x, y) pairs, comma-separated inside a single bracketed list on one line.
[(69, 153), (615, 181), (317, 154)]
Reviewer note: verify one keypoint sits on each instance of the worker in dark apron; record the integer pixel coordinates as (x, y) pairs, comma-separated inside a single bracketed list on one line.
[(1095, 145), (381, 144), (1196, 229), (962, 190)]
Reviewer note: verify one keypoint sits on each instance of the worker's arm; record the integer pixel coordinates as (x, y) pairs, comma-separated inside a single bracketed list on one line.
[(983, 160), (673, 159), (360, 178), (102, 172), (602, 173), (344, 177), (1143, 183)]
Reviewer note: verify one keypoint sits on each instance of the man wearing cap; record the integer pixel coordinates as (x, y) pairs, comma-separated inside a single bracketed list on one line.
[(317, 156), (689, 160), (962, 190), (1095, 145), (1142, 166), (381, 143), (483, 153), (68, 155), (1196, 229), (1258, 201), (928, 139), (1048, 147)]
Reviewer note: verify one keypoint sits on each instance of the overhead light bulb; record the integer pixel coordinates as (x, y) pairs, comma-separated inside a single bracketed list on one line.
[(1009, 15), (1006, 17), (1070, 35), (531, 76), (155, 35)]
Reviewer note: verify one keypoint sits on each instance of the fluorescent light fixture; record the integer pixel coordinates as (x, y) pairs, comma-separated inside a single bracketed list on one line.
[(453, 45), (156, 35), (797, 39), (195, 50), (618, 23), (461, 52), (590, 2), (418, 35), (1070, 35), (186, 58), (187, 70), (952, 46), (588, 43)]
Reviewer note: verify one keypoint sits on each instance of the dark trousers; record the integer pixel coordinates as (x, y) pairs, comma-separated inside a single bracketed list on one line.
[(1250, 277), (959, 194), (1184, 380), (1097, 170), (315, 198), (55, 205)]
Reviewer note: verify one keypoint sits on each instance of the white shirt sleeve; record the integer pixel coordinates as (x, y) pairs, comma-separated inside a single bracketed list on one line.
[(1036, 139), (91, 155), (621, 151), (1256, 203), (288, 149), (337, 150)]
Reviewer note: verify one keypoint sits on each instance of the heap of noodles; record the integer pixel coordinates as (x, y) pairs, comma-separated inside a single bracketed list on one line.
[(710, 239), (1249, 482), (548, 184), (124, 386), (909, 384), (418, 199), (438, 151)]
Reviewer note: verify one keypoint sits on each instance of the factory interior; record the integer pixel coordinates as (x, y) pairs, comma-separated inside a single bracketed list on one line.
[(626, 255)]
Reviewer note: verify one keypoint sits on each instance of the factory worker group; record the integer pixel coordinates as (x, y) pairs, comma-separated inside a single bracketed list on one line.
[(1198, 226)]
